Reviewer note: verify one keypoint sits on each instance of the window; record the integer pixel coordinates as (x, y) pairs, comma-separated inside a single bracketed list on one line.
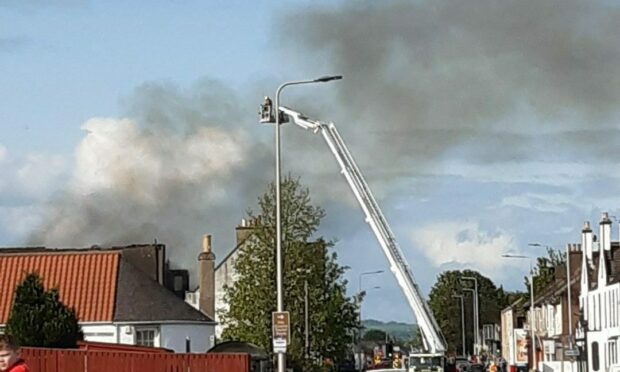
[(612, 357), (595, 357), (147, 337)]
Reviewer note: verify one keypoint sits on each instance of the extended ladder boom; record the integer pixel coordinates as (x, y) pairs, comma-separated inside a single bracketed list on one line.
[(432, 336)]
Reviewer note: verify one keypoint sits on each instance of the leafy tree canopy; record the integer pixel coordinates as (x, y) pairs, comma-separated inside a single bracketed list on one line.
[(333, 317), (544, 270), (39, 318), (447, 309)]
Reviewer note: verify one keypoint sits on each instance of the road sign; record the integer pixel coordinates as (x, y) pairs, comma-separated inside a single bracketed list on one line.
[(280, 324), (571, 352), (279, 345)]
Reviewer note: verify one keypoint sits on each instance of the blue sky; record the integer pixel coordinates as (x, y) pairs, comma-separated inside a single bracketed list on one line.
[(480, 128)]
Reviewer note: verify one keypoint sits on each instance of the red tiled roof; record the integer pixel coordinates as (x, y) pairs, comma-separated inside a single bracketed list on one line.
[(86, 280)]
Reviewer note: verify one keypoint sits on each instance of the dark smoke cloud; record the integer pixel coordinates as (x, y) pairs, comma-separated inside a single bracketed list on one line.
[(492, 77)]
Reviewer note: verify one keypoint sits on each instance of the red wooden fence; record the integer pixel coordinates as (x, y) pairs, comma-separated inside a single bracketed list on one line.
[(59, 360)]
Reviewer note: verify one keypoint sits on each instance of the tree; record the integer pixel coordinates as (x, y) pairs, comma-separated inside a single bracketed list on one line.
[(39, 318), (333, 317), (374, 335), (447, 309), (545, 269)]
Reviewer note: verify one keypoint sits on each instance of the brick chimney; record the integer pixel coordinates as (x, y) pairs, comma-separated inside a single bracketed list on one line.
[(605, 232), (206, 264), (586, 240), (244, 230), (586, 246)]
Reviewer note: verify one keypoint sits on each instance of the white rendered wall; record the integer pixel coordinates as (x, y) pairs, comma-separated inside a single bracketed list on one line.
[(173, 336), (99, 332)]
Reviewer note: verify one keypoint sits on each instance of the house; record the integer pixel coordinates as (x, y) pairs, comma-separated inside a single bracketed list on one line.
[(224, 274), (551, 324), (118, 293), (600, 296), (513, 338), (556, 315)]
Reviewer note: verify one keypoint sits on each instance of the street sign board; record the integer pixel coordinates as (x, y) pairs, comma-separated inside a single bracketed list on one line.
[(280, 323), (279, 345), (571, 352)]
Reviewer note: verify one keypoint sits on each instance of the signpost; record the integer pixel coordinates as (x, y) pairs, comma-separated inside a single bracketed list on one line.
[(280, 321)]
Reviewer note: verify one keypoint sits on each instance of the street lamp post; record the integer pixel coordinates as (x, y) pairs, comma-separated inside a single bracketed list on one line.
[(270, 119), (359, 288), (280, 297), (462, 323), (473, 297), (570, 304), (359, 291), (476, 312), (532, 312)]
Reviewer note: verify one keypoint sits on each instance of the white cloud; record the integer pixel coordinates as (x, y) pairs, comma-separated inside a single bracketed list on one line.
[(464, 245), (554, 203), (550, 173)]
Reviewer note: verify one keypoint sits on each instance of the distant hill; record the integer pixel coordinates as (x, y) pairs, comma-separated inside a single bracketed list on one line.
[(400, 331)]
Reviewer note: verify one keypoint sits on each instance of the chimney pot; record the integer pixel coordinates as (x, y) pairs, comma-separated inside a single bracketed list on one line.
[(206, 243)]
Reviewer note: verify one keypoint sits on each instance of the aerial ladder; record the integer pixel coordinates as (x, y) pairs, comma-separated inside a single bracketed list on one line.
[(433, 339)]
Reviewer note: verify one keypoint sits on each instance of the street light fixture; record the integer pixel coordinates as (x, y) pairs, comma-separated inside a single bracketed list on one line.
[(359, 342), (359, 288), (377, 287), (532, 312), (270, 118), (359, 291)]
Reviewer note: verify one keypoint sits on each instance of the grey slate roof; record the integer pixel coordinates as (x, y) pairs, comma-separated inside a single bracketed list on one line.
[(139, 298)]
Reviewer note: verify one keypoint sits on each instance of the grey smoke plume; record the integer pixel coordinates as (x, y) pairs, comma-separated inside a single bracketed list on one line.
[(181, 166), (493, 81)]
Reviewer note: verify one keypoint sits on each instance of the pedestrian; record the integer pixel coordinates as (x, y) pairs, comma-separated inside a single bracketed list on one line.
[(493, 367), (10, 360)]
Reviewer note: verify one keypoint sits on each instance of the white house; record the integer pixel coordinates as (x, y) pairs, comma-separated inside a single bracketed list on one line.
[(215, 278), (600, 296), (115, 295)]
